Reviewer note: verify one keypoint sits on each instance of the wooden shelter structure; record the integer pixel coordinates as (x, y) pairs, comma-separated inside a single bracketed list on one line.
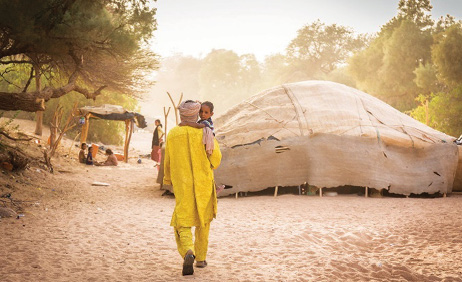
[(112, 112)]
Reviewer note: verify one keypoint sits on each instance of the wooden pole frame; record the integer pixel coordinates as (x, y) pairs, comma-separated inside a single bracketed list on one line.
[(165, 122), (86, 125), (129, 128), (175, 107)]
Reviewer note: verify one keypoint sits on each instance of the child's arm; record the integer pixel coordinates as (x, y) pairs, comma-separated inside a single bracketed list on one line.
[(192, 124)]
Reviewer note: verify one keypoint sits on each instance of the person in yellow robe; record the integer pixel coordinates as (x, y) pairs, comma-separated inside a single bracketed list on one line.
[(189, 169)]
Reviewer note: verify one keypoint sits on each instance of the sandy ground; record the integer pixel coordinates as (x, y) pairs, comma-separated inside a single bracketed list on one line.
[(73, 231)]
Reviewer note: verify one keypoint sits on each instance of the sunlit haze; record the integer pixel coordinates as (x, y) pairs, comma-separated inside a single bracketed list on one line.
[(258, 27), (265, 27)]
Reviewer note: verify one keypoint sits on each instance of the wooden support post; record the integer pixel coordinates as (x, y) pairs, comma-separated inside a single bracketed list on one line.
[(444, 195), (276, 191), (320, 192), (366, 191), (85, 127), (176, 106), (299, 190), (237, 193), (165, 123), (72, 144), (127, 128), (127, 141)]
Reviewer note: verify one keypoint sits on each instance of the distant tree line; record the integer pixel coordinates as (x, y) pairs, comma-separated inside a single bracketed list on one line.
[(413, 63)]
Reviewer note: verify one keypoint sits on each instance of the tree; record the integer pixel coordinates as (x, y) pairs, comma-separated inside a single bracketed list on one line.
[(249, 75), (219, 78), (76, 44), (447, 55), (416, 11), (319, 49), (407, 47), (389, 66), (444, 112), (274, 70), (426, 80)]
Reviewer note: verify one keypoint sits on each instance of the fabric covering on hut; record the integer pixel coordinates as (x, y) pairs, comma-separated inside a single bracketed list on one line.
[(330, 135)]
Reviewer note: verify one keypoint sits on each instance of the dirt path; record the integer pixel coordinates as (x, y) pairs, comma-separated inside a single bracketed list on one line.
[(78, 232), (121, 232)]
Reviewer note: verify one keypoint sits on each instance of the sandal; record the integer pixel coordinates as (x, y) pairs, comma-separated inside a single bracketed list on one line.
[(188, 262), (201, 264)]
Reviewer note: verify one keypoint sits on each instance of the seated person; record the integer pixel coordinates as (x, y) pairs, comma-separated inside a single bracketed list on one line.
[(82, 156), (89, 160), (111, 159)]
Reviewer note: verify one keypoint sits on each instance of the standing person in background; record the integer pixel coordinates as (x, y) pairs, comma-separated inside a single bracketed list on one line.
[(189, 170), (157, 142)]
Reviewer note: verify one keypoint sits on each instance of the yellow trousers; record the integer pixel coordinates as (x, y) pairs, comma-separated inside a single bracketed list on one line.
[(184, 241)]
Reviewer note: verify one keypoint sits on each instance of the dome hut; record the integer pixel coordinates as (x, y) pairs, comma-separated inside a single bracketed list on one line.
[(329, 135)]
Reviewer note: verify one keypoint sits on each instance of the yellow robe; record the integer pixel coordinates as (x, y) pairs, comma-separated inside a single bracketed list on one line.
[(190, 171)]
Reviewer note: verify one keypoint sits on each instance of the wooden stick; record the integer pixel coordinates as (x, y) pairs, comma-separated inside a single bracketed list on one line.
[(276, 191), (85, 127), (127, 128), (237, 193), (72, 144), (320, 192), (176, 106), (366, 192), (165, 123), (131, 127)]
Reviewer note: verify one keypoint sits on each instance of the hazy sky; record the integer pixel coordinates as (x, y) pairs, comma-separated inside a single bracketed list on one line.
[(265, 27)]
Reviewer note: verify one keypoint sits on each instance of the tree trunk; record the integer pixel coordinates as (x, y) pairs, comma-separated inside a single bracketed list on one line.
[(38, 114)]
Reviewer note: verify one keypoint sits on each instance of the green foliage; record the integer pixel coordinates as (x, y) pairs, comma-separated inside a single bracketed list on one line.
[(387, 67), (416, 11), (219, 78), (447, 55), (103, 39), (425, 78), (406, 48), (319, 48), (444, 111), (341, 75)]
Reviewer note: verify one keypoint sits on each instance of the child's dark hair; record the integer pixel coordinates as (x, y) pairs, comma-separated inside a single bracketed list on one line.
[(208, 104), (109, 151), (160, 124), (83, 145)]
